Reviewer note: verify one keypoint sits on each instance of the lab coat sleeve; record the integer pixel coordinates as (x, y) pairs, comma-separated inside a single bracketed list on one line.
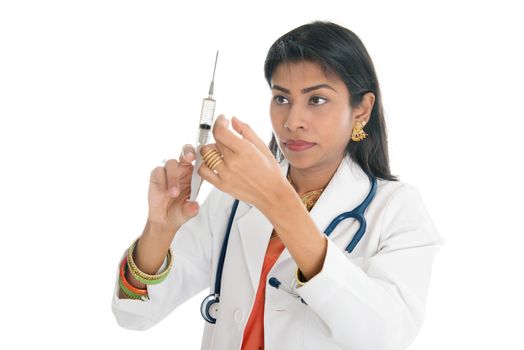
[(380, 305), (190, 274)]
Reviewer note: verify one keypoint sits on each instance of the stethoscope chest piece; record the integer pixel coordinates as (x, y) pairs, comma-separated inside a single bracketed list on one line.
[(209, 308)]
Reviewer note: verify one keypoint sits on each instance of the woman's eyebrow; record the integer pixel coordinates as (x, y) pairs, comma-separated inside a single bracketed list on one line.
[(304, 90)]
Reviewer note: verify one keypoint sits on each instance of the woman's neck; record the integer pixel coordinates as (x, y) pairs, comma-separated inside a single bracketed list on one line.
[(311, 179)]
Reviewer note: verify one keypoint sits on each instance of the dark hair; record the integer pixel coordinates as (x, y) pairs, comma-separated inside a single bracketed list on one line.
[(340, 51)]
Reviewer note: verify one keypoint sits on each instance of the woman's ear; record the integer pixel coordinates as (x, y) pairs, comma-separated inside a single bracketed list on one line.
[(362, 113)]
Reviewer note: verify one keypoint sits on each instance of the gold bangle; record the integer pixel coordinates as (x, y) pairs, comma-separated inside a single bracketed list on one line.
[(136, 271), (299, 277)]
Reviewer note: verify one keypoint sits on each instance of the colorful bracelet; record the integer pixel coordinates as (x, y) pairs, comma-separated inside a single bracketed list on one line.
[(142, 276), (125, 282), (130, 294)]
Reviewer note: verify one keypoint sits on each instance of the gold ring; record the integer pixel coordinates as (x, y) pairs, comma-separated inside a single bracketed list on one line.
[(212, 159)]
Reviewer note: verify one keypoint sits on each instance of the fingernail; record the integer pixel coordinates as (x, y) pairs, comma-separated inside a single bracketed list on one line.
[(222, 119), (174, 191)]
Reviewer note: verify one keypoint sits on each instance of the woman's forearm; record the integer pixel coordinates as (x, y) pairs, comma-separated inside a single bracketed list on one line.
[(297, 230)]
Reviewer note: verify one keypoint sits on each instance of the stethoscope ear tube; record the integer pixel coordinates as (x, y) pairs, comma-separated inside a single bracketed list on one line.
[(357, 214)]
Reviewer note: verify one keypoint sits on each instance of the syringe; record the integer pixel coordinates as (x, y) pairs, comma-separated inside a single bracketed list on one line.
[(206, 122)]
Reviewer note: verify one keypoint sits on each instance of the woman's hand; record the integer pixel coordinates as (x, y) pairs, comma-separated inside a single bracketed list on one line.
[(169, 189), (249, 171)]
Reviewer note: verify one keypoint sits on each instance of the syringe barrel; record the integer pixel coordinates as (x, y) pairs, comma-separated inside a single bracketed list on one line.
[(208, 111), (206, 120), (203, 136)]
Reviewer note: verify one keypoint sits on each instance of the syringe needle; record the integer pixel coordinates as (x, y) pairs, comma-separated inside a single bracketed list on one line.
[(212, 85)]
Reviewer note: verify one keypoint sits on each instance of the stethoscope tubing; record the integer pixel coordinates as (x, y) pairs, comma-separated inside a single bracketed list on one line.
[(357, 213), (218, 280)]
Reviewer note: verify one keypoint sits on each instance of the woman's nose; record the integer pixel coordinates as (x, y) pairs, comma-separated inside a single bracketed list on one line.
[(295, 118)]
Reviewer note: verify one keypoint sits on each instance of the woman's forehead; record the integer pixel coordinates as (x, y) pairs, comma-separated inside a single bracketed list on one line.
[(303, 72)]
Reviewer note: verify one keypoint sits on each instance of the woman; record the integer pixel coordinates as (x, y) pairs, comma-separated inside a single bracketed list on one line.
[(284, 283)]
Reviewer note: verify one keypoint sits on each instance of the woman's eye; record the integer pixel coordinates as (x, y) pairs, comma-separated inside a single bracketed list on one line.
[(281, 100), (317, 100)]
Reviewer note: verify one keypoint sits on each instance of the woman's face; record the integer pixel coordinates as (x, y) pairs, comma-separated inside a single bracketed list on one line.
[(315, 108)]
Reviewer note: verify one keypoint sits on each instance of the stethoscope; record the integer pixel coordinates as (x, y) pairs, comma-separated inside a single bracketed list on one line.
[(209, 306)]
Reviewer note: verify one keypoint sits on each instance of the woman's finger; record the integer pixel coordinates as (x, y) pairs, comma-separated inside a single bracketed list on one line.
[(172, 176), (249, 134), (188, 154), (158, 177), (223, 150), (226, 137)]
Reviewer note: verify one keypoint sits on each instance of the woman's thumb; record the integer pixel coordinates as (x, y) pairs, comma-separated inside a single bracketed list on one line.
[(190, 209)]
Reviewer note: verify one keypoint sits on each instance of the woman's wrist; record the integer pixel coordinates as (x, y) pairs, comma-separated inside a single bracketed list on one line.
[(280, 198), (159, 231), (152, 247)]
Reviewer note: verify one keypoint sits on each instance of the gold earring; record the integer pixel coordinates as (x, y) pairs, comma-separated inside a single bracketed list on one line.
[(358, 133)]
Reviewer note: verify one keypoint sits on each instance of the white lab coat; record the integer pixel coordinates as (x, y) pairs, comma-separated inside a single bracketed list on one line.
[(371, 299)]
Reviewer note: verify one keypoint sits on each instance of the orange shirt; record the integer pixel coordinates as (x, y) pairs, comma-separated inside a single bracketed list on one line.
[(254, 331)]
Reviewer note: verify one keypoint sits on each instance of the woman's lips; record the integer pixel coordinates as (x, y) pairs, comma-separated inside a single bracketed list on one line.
[(298, 145)]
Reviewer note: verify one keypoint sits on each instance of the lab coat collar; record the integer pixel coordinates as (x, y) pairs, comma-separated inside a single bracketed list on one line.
[(347, 189)]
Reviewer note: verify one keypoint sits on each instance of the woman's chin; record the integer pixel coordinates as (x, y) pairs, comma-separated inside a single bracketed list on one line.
[(299, 162)]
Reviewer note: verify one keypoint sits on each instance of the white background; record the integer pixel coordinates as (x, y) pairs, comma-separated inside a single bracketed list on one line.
[(94, 94)]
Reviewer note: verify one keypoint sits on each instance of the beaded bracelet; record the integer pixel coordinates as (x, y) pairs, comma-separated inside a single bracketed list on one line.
[(128, 286), (142, 276)]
